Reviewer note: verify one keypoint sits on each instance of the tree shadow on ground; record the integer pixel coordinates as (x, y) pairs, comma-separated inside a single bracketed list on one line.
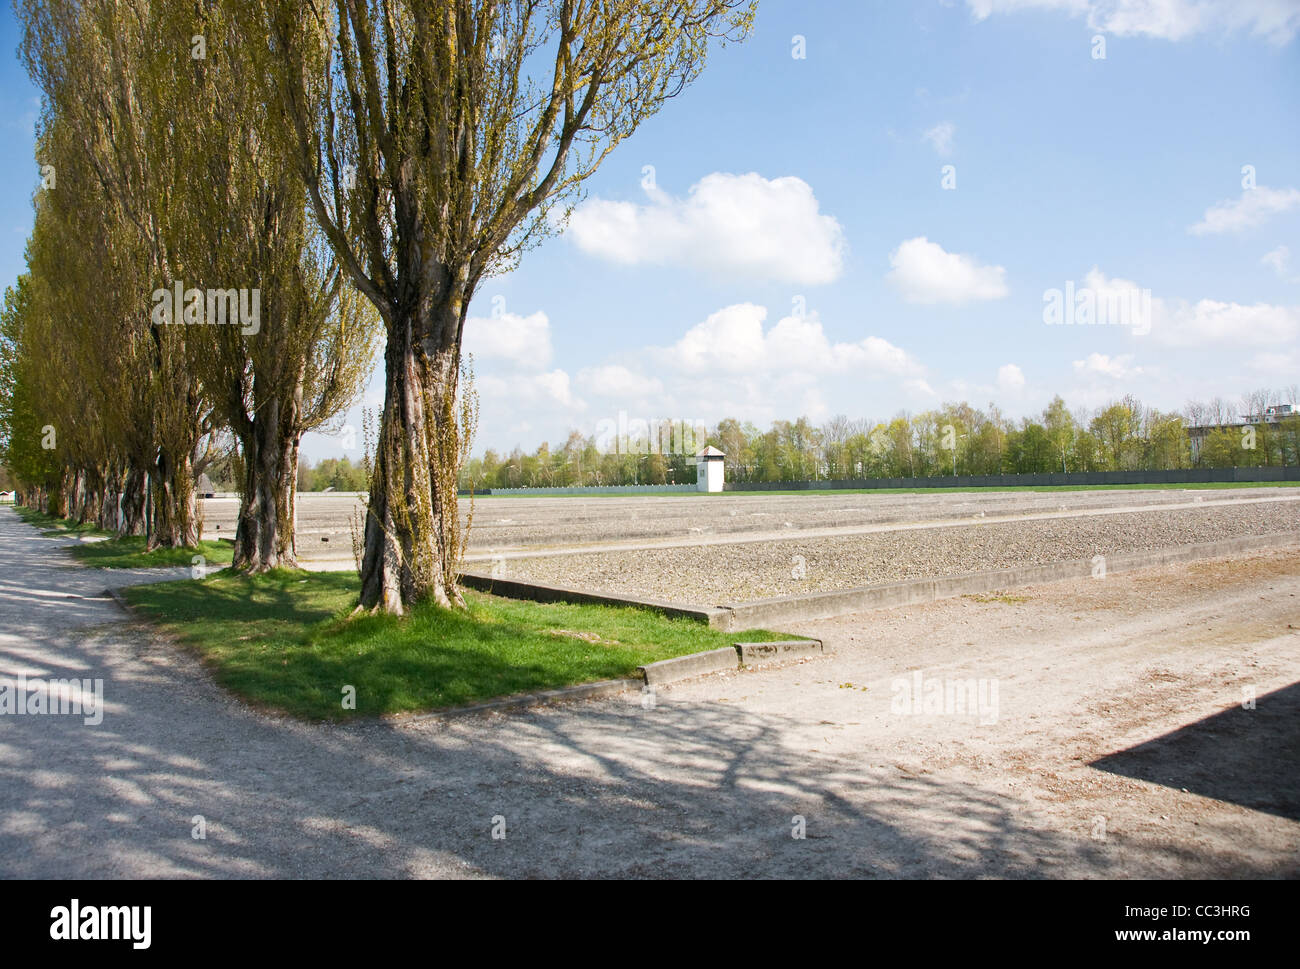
[(1246, 757)]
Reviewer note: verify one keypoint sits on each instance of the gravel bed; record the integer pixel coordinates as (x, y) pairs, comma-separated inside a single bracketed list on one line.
[(324, 521), (742, 572)]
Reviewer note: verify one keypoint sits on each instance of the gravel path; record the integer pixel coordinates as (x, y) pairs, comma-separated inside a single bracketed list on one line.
[(719, 574)]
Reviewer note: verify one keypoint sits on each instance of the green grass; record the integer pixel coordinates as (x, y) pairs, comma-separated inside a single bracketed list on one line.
[(128, 553), (54, 525), (284, 641)]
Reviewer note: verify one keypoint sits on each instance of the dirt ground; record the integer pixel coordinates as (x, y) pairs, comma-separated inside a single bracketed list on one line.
[(1120, 723), (1117, 747)]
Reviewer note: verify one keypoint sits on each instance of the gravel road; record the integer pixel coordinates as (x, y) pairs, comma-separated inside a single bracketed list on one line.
[(1120, 701)]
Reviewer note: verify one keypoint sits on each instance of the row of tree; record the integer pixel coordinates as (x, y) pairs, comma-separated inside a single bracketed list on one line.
[(954, 439), (179, 302), (342, 165)]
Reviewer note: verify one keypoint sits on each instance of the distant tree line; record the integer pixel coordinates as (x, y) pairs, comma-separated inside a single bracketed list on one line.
[(958, 439), (327, 474)]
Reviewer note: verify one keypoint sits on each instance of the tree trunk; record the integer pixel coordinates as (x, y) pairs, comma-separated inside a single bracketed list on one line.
[(406, 558), (175, 511), (130, 520), (264, 536), (77, 497), (109, 508)]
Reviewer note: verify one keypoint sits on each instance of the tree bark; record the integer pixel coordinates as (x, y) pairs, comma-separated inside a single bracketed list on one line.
[(131, 509), (264, 535), (78, 498), (405, 559), (175, 510), (108, 511)]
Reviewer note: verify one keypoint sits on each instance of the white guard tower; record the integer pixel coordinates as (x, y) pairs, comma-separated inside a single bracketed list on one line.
[(709, 469)]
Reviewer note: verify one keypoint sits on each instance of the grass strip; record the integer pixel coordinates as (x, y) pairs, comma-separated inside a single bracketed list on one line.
[(285, 641)]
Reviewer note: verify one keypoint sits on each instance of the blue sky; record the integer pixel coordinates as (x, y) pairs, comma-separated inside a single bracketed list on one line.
[(797, 252)]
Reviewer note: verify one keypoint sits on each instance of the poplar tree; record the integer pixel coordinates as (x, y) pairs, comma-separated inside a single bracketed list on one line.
[(438, 139)]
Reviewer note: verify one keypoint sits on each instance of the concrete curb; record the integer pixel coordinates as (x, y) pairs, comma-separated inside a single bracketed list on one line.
[(120, 600), (732, 657), (756, 654), (694, 664), (535, 592), (763, 613), (659, 673)]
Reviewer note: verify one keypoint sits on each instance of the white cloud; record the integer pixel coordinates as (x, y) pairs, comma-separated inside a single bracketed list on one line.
[(1255, 206), (1276, 364), (1279, 260), (1116, 302), (733, 341), (743, 224), (1275, 20), (1010, 378), (1208, 322), (523, 341), (556, 386), (924, 273), (550, 388), (814, 406), (734, 364), (615, 380), (1183, 323), (1119, 367), (940, 136)]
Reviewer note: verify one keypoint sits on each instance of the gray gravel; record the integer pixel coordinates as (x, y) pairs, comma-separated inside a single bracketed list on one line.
[(742, 572), (504, 523)]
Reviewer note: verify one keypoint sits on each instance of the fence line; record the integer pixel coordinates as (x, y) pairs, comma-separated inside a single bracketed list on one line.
[(1034, 480)]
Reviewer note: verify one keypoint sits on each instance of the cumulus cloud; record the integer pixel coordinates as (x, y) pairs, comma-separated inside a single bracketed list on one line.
[(1100, 301), (615, 380), (1275, 20), (1208, 322), (1255, 206), (528, 390), (924, 273), (1279, 260), (734, 363), (733, 341), (1182, 322), (1118, 367), (521, 341), (742, 224), (1010, 378), (940, 136)]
